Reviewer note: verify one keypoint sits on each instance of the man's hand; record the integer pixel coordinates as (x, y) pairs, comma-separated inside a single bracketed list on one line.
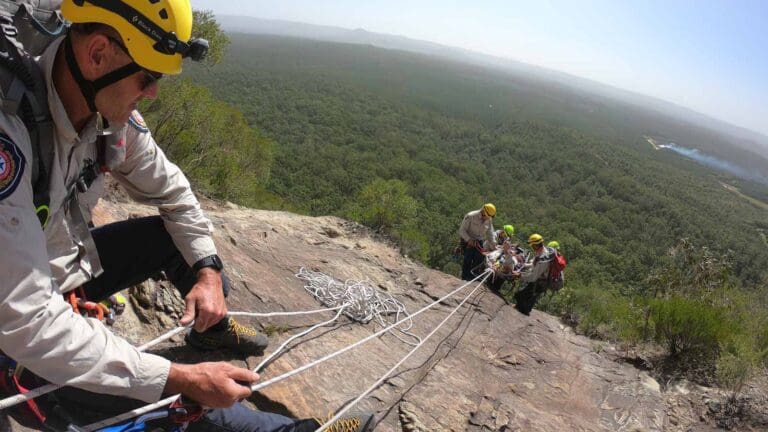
[(516, 274), (214, 385), (205, 301)]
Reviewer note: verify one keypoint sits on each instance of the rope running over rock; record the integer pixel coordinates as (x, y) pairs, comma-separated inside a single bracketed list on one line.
[(264, 384), (362, 301), (389, 373)]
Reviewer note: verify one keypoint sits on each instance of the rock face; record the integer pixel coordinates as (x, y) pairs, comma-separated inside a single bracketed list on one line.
[(488, 368)]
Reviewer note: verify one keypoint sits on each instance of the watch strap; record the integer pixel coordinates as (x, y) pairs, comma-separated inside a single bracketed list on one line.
[(212, 261)]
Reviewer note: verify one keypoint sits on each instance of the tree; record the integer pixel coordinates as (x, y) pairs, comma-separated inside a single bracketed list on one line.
[(385, 205)]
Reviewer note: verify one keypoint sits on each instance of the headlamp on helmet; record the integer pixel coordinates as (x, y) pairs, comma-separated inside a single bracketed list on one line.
[(156, 33)]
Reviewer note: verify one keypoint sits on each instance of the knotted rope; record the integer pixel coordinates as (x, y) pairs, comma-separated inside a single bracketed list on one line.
[(362, 302)]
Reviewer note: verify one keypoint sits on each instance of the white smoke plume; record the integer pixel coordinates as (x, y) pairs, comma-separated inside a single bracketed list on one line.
[(718, 164)]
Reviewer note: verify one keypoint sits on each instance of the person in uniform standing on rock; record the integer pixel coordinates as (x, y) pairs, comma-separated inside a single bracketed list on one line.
[(112, 57), (476, 228), (534, 276)]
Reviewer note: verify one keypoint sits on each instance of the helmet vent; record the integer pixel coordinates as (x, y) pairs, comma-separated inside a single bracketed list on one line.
[(154, 1), (163, 14)]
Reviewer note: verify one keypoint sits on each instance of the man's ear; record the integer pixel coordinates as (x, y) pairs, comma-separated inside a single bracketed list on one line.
[(98, 54)]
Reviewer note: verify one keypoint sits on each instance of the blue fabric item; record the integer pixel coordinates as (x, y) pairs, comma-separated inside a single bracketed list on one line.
[(130, 427), (239, 418)]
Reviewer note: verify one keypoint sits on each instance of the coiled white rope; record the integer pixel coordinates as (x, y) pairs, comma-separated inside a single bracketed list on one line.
[(397, 365), (256, 387), (288, 374), (363, 302)]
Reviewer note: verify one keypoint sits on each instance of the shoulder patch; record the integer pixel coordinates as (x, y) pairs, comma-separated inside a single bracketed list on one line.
[(12, 164), (137, 121)]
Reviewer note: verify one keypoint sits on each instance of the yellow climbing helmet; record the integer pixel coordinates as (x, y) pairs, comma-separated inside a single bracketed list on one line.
[(535, 240), (554, 244), (155, 32), (489, 209)]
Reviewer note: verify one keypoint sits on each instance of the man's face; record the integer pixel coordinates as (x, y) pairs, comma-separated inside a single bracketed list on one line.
[(118, 100), (484, 215)]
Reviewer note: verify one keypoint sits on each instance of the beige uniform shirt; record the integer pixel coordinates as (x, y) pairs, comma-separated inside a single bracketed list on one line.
[(538, 268), (473, 227), (37, 327)]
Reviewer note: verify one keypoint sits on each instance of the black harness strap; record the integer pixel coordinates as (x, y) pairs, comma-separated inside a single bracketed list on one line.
[(90, 88)]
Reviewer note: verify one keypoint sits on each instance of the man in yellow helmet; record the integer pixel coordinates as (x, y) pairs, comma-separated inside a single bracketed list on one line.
[(111, 58), (534, 276), (476, 227)]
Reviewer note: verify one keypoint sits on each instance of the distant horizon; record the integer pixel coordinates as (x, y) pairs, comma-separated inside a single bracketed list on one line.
[(666, 50), (763, 135)]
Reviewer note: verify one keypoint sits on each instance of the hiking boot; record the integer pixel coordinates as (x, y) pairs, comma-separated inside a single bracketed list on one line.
[(356, 423), (236, 337)]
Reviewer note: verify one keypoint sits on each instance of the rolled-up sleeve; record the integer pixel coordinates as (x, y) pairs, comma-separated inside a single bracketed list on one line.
[(38, 328), (150, 178), (464, 228)]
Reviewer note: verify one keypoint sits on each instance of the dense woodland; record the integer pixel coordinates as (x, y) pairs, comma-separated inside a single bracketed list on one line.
[(658, 249)]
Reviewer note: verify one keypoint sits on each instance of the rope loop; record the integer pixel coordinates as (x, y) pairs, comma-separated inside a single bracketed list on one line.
[(362, 301)]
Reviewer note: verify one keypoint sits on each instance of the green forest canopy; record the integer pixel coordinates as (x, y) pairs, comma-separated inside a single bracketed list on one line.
[(357, 127), (660, 249)]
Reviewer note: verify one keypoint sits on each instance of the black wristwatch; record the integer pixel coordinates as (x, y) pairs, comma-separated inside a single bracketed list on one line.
[(212, 261)]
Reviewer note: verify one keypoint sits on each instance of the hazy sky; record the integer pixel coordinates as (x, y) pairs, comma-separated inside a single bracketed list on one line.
[(709, 55)]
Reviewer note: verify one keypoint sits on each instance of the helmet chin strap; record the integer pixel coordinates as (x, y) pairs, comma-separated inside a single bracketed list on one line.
[(90, 88)]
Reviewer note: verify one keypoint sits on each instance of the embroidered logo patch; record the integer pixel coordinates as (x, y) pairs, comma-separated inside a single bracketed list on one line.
[(11, 166), (137, 121)]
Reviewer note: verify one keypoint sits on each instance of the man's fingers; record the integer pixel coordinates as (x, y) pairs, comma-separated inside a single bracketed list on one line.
[(244, 393), (243, 378), (189, 312), (244, 375)]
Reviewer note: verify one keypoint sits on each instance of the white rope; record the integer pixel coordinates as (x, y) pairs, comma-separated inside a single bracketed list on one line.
[(288, 374), (164, 402), (129, 415), (397, 365), (164, 337), (45, 389), (256, 387), (294, 337), (23, 397), (19, 398), (274, 314), (364, 301)]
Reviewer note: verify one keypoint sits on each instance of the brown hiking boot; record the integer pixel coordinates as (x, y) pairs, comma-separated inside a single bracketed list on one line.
[(356, 423), (237, 337)]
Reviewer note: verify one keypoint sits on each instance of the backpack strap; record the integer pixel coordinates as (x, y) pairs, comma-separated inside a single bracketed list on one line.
[(23, 93)]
